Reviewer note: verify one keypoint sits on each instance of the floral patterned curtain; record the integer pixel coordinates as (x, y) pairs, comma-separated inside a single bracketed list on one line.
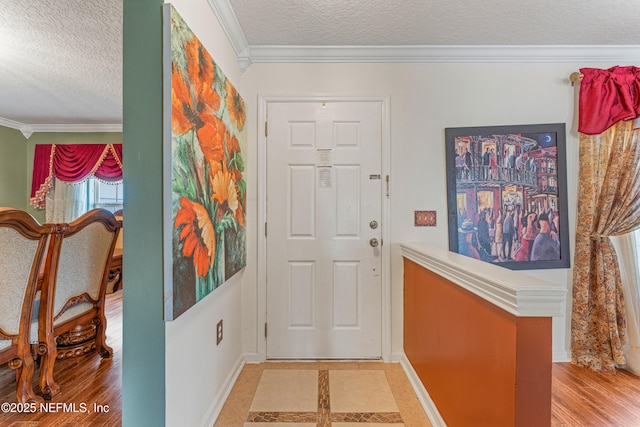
[(608, 205)]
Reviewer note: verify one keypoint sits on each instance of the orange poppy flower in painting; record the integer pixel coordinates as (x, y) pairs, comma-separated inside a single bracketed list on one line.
[(202, 75), (233, 146), (211, 137), (197, 235), (193, 98), (236, 105), (224, 190), (183, 113)]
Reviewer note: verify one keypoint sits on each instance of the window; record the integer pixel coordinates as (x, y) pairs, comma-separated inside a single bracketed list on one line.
[(104, 195)]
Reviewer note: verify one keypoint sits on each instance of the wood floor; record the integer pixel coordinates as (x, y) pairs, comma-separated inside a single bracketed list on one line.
[(585, 398), (580, 397), (84, 381)]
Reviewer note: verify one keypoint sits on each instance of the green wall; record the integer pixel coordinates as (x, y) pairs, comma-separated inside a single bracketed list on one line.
[(143, 367), (61, 138), (13, 161)]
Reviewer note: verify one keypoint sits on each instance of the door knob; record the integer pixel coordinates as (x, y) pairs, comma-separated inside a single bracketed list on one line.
[(373, 242)]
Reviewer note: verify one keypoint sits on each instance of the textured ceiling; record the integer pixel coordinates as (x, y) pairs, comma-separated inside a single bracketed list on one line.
[(61, 60), (439, 22)]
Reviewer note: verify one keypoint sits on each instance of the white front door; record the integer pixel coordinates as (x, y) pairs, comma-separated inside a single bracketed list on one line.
[(324, 213)]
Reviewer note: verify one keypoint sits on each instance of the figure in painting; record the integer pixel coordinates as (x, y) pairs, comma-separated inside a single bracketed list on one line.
[(544, 246), (493, 163), (466, 240), (498, 236), (529, 233), (508, 228), (486, 161), (468, 162), (484, 237), (459, 165)]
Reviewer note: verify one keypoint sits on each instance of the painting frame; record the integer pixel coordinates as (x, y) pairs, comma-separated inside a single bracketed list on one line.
[(503, 178), (204, 184)]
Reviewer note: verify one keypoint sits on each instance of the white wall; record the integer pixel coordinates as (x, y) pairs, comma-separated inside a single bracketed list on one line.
[(198, 373), (425, 99)]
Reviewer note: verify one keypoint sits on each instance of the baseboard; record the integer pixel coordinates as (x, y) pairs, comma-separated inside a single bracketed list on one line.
[(561, 356), (252, 358), (212, 414), (423, 396), (397, 356)]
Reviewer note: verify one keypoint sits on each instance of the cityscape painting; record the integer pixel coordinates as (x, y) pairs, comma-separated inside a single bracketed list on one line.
[(506, 188)]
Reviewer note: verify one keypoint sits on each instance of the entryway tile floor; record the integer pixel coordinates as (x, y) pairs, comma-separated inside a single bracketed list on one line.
[(322, 394)]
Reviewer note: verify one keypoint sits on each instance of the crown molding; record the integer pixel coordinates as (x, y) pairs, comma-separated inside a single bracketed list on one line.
[(89, 128), (229, 22), (22, 127), (244, 59), (442, 54), (248, 54), (28, 129)]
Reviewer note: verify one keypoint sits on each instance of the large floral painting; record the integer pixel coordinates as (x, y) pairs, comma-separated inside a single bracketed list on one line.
[(208, 188)]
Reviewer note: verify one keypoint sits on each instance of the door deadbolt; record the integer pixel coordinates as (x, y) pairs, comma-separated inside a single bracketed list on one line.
[(373, 224), (373, 242)]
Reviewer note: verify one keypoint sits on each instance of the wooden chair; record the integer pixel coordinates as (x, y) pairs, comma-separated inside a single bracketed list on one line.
[(114, 283), (22, 247), (74, 287)]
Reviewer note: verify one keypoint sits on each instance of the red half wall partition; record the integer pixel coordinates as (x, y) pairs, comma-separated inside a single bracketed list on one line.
[(479, 339), (73, 163)]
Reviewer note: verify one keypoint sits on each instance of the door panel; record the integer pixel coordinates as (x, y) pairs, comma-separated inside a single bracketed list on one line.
[(301, 201), (346, 294), (301, 285)]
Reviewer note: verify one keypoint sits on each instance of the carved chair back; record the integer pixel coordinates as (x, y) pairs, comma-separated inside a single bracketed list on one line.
[(74, 286), (22, 248), (119, 215)]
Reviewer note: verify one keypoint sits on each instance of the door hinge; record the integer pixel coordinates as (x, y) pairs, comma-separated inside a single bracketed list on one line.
[(265, 329), (266, 129), (265, 229)]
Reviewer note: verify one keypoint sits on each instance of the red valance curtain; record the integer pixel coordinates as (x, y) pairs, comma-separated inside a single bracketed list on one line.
[(607, 97), (73, 163)]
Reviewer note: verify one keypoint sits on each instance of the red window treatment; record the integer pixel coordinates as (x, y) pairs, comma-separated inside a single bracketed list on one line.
[(73, 163), (607, 97)]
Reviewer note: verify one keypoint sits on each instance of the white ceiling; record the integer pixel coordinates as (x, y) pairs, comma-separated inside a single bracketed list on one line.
[(61, 60), (439, 22)]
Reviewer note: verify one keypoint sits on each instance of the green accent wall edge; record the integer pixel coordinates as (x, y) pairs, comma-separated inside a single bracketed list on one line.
[(143, 372)]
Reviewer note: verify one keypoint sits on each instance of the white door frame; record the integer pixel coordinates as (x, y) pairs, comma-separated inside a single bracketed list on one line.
[(263, 101)]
